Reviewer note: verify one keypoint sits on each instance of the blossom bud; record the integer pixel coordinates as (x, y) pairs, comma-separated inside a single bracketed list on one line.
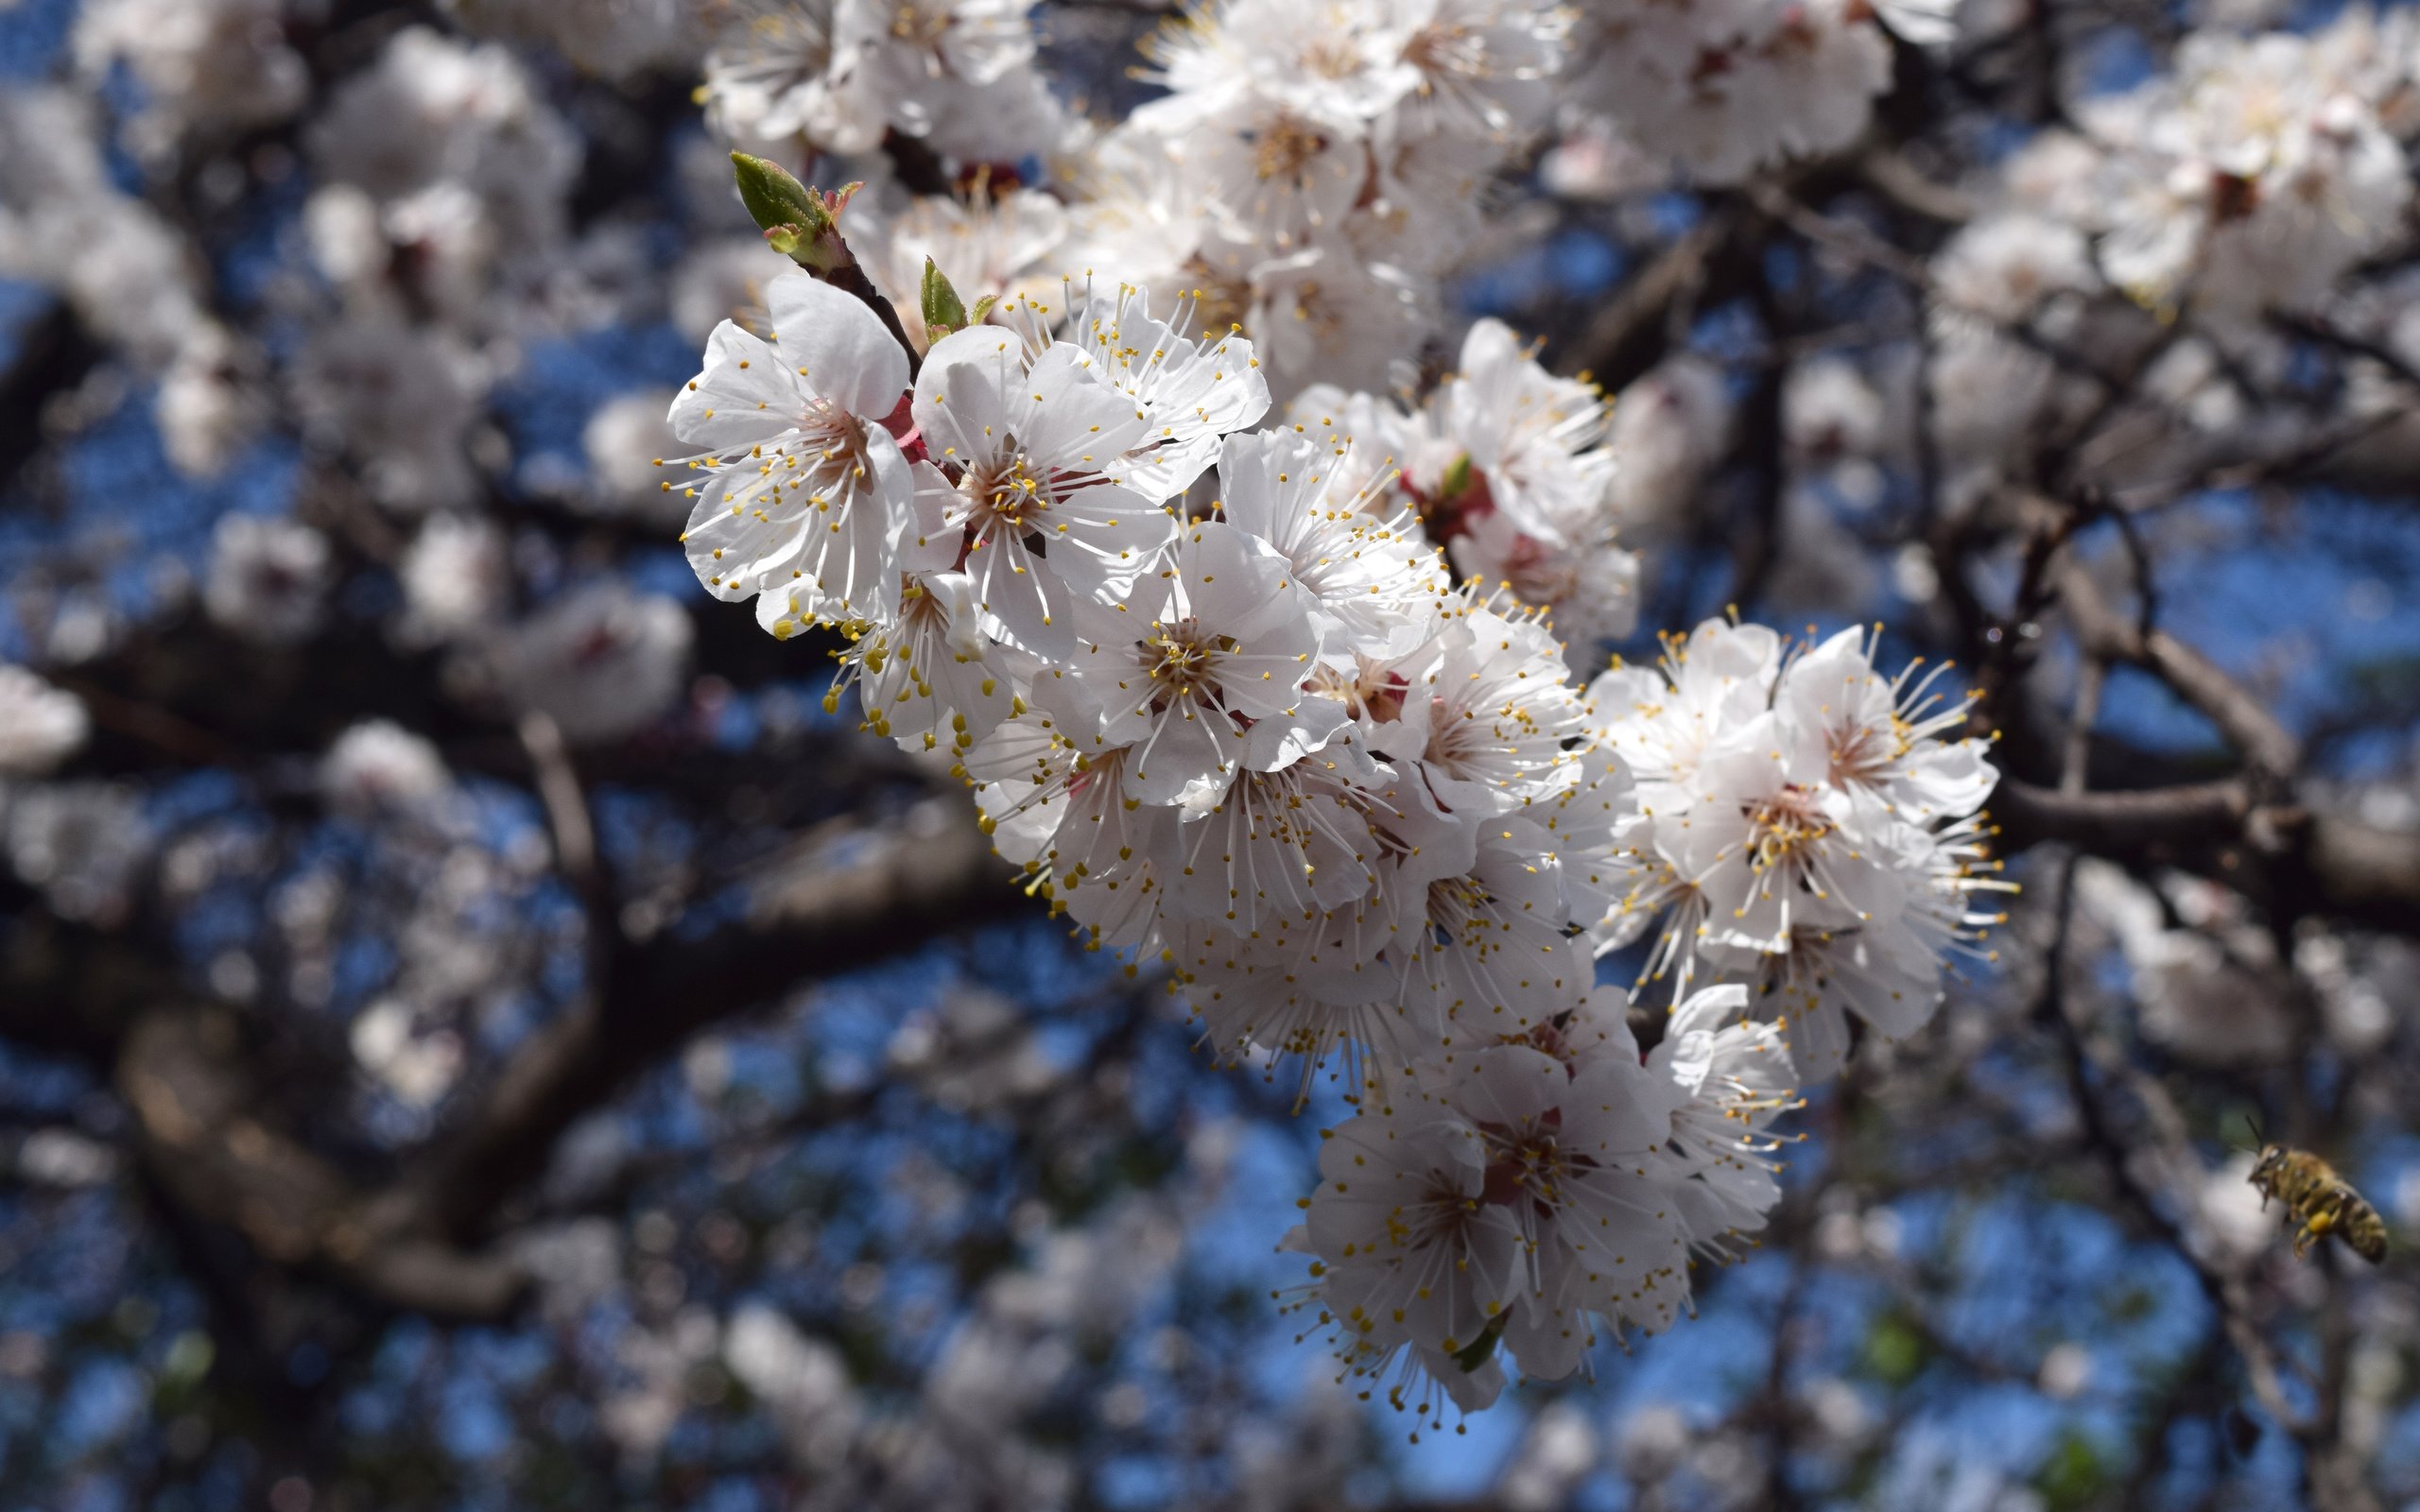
[(802, 224)]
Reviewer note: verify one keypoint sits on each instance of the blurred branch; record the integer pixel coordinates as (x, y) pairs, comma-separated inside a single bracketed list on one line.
[(567, 816), (2085, 1057), (1888, 173), (53, 353), (200, 1136), (2321, 331), (837, 905), (2247, 830), (2240, 715), (1633, 330)]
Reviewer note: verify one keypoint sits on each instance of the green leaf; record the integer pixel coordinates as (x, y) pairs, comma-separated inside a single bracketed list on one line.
[(983, 309), (944, 311)]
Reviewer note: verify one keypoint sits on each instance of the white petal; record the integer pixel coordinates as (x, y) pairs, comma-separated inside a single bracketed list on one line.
[(837, 345)]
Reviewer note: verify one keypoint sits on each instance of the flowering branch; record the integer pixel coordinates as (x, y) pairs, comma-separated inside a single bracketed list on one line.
[(804, 225)]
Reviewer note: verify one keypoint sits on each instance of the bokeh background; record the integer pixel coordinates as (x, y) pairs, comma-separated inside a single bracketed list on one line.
[(667, 1102)]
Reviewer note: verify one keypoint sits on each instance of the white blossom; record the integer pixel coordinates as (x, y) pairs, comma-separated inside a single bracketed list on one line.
[(206, 66), (1801, 826), (1734, 88), (601, 661), (378, 767), (2259, 170), (40, 726), (807, 504), (1026, 442), (457, 578), (269, 578), (83, 845)]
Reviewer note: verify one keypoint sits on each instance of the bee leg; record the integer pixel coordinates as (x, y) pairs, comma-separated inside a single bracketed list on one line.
[(2323, 1221)]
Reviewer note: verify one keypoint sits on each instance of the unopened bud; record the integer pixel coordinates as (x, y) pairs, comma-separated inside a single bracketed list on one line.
[(802, 224)]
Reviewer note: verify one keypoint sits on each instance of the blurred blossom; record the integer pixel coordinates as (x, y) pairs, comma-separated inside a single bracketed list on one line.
[(1593, 159), (40, 726), (269, 578), (610, 37), (718, 281), (1558, 1452), (1829, 411), (416, 1064), (1730, 90), (63, 1158), (803, 1381), (455, 145), (457, 578), (2357, 983), (1912, 574), (972, 1053), (1005, 247), (83, 845), (2214, 998), (1649, 1444), (601, 661), (627, 440), (1840, 1412), (2066, 1369), (211, 404), (379, 767), (206, 67), (64, 223), (1668, 427), (395, 400), (2236, 1222)]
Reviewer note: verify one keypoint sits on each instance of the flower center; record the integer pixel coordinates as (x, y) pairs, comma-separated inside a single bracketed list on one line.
[(1783, 828), (1458, 911), (1285, 146), (1332, 58), (1005, 494), (824, 427), (919, 26), (1528, 1161), (1181, 661), (1441, 47)]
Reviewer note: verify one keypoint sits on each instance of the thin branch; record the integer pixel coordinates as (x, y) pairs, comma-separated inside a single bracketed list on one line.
[(1631, 332), (2083, 1059), (2240, 715)]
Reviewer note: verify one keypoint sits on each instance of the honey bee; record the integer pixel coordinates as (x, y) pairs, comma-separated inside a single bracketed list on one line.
[(2321, 1201)]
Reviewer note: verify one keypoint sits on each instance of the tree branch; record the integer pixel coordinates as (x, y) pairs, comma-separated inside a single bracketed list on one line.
[(835, 905)]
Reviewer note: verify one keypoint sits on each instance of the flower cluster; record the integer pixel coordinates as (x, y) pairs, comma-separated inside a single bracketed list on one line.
[(1338, 159), (2262, 168), (1729, 89), (1508, 467), (840, 73), (1253, 731), (1800, 828), (1537, 1190)]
